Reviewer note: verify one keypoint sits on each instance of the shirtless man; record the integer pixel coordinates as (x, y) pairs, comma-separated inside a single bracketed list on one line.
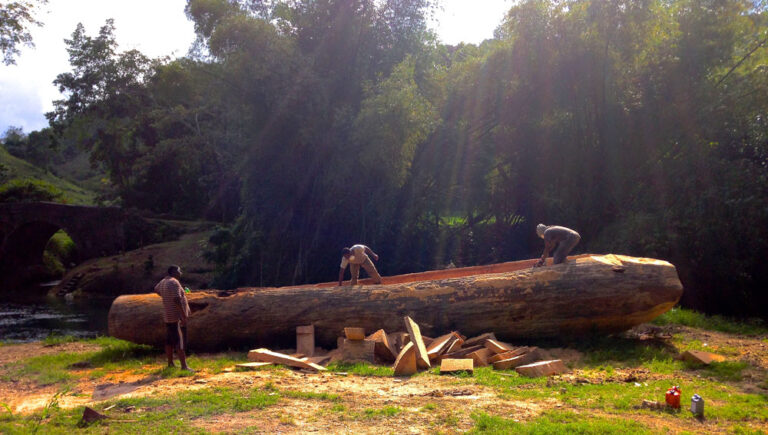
[(356, 256), (564, 238)]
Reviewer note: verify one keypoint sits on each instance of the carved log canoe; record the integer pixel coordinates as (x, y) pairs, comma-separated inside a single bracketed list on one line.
[(586, 295)]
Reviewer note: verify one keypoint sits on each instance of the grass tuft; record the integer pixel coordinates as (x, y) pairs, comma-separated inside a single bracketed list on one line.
[(361, 369), (694, 319)]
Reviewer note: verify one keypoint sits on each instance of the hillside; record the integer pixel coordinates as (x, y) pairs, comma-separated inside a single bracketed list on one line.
[(18, 168)]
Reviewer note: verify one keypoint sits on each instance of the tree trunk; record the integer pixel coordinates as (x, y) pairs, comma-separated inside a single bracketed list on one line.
[(588, 294)]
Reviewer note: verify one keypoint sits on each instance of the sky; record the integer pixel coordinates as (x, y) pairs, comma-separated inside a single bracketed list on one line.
[(27, 90)]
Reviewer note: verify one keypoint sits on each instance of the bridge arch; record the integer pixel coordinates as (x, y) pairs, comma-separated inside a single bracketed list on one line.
[(27, 228)]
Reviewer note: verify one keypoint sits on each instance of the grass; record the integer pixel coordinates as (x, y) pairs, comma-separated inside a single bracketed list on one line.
[(694, 319), (361, 369), (22, 169), (311, 395), (556, 422)]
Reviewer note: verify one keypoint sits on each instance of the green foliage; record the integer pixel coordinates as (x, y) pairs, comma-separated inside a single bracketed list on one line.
[(694, 319), (361, 369), (556, 422), (311, 395), (30, 190), (16, 19)]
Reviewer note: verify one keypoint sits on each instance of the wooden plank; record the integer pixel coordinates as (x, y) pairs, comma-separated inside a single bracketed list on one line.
[(507, 355), (320, 360), (480, 356), (383, 349), (454, 365), (358, 350), (480, 339), (454, 347), (701, 357), (405, 365), (497, 346), (463, 351), (517, 361), (422, 360), (354, 333), (439, 345), (305, 340), (398, 340), (266, 355), (252, 365), (427, 340), (542, 368)]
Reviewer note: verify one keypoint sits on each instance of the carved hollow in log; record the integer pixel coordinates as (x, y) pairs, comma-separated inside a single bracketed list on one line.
[(583, 296)]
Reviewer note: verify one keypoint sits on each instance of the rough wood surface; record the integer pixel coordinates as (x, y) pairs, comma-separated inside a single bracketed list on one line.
[(542, 368), (451, 365), (266, 355), (588, 294), (405, 365), (422, 360)]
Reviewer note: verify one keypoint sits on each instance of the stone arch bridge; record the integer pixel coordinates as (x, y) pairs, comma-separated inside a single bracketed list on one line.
[(25, 229)]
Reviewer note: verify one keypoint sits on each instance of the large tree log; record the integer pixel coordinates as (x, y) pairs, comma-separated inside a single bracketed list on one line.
[(588, 294)]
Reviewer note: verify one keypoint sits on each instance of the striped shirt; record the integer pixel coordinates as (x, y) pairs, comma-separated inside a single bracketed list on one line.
[(173, 298)]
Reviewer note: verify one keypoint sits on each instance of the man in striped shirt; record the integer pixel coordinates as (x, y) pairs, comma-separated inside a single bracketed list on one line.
[(175, 314)]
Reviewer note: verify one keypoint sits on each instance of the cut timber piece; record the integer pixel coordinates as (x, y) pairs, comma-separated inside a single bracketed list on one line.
[(353, 333), (463, 352), (320, 360), (542, 368), (497, 346), (427, 340), (511, 354), (358, 350), (252, 365), (405, 365), (266, 355), (454, 365), (582, 297), (480, 357), (440, 344), (700, 357), (422, 360), (398, 340), (454, 347), (305, 340), (517, 361), (383, 349), (480, 339)]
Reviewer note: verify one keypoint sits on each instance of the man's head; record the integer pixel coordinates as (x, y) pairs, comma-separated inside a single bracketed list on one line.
[(540, 228), (346, 252), (174, 271)]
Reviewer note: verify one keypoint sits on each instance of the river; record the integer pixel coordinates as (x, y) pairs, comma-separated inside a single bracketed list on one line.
[(35, 318)]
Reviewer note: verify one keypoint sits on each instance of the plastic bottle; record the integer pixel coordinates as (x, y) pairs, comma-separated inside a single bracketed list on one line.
[(186, 290)]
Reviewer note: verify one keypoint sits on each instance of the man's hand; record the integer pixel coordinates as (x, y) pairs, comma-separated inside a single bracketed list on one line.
[(375, 257), (539, 263)]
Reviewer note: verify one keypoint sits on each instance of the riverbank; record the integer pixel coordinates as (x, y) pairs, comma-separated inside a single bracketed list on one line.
[(46, 385)]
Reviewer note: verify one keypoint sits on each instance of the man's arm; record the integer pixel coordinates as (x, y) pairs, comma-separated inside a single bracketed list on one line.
[(371, 253), (548, 245), (341, 275), (178, 299)]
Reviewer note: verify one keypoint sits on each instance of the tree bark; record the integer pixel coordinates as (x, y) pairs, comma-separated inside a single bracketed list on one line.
[(588, 294)]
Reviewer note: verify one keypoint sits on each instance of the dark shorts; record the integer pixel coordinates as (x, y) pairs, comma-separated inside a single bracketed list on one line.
[(564, 248), (172, 337)]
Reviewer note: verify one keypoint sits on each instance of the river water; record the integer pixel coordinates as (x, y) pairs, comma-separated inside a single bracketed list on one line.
[(35, 318)]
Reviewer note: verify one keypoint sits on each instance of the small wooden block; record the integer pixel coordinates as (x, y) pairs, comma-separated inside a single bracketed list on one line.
[(305, 340), (480, 356), (354, 333), (422, 360), (507, 355), (266, 355), (480, 339), (306, 329), (517, 361), (700, 357), (497, 346), (542, 368), (358, 350), (453, 365), (383, 348), (405, 365), (252, 365)]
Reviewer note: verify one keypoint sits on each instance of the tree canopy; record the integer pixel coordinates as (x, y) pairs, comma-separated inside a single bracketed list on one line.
[(305, 126)]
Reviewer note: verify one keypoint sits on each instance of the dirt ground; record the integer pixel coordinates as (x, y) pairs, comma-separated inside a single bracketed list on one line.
[(454, 398)]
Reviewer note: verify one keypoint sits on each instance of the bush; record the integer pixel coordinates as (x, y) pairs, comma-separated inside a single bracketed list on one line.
[(30, 190)]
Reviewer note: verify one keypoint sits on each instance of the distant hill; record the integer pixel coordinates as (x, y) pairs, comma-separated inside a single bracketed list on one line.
[(18, 168)]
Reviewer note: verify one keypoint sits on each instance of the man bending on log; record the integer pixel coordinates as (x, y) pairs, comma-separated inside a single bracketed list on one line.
[(175, 314), (355, 257), (564, 238)]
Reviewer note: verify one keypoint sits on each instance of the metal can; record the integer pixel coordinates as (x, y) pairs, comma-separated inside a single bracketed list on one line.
[(697, 405)]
